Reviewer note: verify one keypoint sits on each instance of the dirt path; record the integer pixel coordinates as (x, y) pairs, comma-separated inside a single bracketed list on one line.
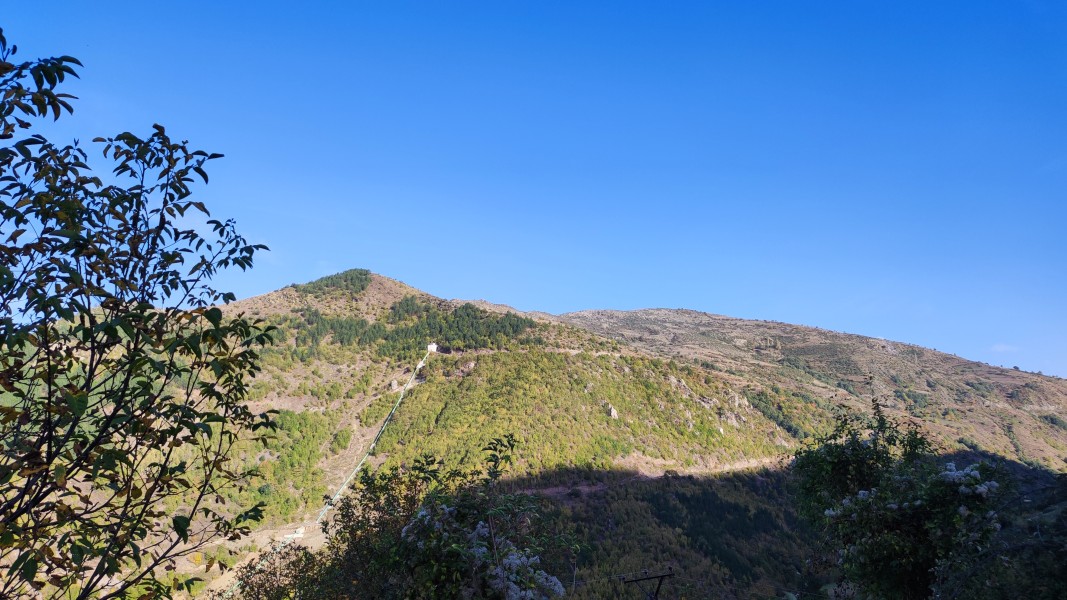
[(560, 491)]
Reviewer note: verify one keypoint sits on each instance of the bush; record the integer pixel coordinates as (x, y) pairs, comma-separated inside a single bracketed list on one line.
[(1055, 421), (897, 522), (340, 441), (423, 532)]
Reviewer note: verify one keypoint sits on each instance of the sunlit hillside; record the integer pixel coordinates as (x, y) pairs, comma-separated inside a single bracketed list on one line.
[(657, 434)]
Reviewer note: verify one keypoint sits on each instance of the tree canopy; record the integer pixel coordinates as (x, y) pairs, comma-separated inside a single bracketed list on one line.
[(121, 380)]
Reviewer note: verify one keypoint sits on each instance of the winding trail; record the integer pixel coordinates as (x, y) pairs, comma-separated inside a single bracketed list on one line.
[(559, 491)]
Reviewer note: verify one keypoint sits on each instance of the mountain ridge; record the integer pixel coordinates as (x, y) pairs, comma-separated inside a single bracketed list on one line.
[(585, 316), (795, 374), (600, 395)]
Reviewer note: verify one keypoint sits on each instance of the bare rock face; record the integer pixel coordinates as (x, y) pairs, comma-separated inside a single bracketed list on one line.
[(612, 412)]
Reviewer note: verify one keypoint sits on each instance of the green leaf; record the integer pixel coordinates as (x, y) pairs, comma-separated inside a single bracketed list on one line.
[(214, 316), (181, 527), (29, 569)]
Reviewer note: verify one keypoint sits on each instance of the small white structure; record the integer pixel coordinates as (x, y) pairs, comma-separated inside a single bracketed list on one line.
[(431, 348)]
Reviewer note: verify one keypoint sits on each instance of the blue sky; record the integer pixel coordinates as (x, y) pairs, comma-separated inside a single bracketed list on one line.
[(894, 169)]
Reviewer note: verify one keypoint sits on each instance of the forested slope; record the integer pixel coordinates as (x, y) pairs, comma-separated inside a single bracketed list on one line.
[(575, 400)]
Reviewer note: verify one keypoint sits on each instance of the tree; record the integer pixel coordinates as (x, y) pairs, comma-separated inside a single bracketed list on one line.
[(420, 532), (897, 521), (121, 380)]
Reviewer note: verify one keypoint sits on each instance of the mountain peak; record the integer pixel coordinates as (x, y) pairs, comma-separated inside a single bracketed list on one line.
[(355, 291)]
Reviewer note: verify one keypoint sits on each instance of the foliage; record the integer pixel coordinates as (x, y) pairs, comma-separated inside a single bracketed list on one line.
[(122, 386), (665, 412), (350, 282), (420, 532), (1054, 420), (912, 399), (410, 326), (340, 441), (288, 477), (722, 534), (773, 409), (896, 521), (1025, 557), (465, 328), (406, 307)]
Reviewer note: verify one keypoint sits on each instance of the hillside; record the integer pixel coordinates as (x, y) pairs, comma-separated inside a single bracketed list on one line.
[(605, 405), (576, 399), (963, 403)]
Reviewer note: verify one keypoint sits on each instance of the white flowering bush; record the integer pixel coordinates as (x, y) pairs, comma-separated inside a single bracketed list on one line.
[(422, 532), (894, 519), (492, 566)]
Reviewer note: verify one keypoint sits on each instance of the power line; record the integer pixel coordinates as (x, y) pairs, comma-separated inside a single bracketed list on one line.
[(370, 448), (659, 577), (286, 540), (707, 585)]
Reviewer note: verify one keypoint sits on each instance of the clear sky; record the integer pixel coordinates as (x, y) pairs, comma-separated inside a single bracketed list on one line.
[(894, 169)]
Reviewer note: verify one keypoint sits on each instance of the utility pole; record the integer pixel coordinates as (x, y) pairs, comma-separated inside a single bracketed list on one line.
[(654, 594)]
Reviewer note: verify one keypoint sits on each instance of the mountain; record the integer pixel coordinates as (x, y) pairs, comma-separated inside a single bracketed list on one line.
[(658, 433), (962, 403)]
